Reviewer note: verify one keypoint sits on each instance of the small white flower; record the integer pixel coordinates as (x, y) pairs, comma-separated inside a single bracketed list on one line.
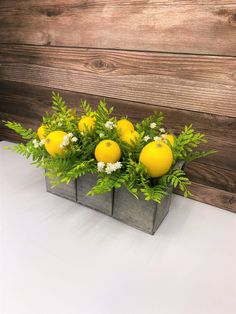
[(153, 125), (66, 140), (74, 139), (59, 124), (109, 125), (100, 166), (162, 130), (61, 146), (82, 133), (111, 167), (163, 136), (70, 134), (35, 143), (118, 165), (101, 134), (156, 138), (146, 138), (42, 142)]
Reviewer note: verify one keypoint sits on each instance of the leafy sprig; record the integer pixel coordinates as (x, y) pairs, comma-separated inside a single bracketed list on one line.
[(26, 134)]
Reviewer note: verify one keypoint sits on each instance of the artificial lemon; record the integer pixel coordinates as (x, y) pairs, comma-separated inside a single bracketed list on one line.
[(130, 137), (157, 157), (41, 132), (170, 138), (86, 123), (53, 143), (107, 151), (124, 125)]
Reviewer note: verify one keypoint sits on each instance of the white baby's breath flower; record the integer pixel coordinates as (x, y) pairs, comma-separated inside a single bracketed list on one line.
[(101, 134), (59, 124), (61, 146), (118, 165), (111, 167), (35, 143), (153, 125), (70, 134), (109, 125), (100, 166), (66, 140), (146, 138), (74, 139), (163, 136), (42, 142), (156, 138), (162, 130)]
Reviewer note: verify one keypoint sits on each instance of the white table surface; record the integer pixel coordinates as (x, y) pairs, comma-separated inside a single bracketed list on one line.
[(58, 257)]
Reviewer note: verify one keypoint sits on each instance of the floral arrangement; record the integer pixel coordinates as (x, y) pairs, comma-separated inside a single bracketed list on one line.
[(141, 157)]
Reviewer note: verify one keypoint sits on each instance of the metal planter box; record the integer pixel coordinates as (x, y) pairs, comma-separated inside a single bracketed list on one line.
[(64, 190), (102, 203), (138, 213), (119, 203)]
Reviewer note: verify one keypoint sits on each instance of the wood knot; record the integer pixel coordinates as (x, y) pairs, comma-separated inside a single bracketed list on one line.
[(101, 65), (50, 12), (232, 19), (230, 14)]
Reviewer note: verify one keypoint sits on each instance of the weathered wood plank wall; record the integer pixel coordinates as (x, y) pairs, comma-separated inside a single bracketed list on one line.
[(175, 56)]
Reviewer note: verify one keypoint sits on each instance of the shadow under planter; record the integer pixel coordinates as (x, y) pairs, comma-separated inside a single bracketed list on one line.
[(102, 203), (64, 190)]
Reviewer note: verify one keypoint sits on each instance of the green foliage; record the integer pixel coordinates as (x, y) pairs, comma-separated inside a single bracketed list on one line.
[(176, 178), (78, 158), (26, 134), (106, 183), (143, 127), (103, 115), (86, 107), (63, 117), (186, 142)]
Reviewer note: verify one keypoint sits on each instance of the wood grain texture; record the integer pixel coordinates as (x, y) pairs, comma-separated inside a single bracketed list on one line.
[(196, 83), (202, 27), (212, 176), (213, 196)]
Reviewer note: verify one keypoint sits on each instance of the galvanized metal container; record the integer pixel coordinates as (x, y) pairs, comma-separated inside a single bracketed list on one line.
[(64, 190), (139, 213), (102, 203)]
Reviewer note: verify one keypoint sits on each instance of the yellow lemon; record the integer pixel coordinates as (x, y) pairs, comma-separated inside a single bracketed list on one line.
[(157, 157), (130, 137), (124, 125), (86, 123), (170, 138), (53, 143), (41, 132), (107, 151)]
